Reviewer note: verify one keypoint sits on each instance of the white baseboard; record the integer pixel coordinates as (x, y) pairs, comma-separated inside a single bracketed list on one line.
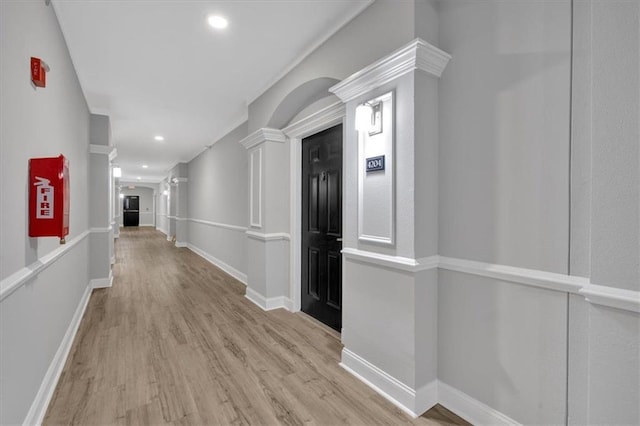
[(38, 409), (469, 408), (404, 397), (113, 260), (268, 304), (102, 282), (181, 244), (169, 238), (219, 263), (415, 403)]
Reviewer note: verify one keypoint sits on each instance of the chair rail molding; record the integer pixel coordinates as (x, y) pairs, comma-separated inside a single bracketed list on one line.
[(14, 281)]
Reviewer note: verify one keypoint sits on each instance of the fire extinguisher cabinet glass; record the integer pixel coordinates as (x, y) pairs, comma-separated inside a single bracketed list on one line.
[(49, 197)]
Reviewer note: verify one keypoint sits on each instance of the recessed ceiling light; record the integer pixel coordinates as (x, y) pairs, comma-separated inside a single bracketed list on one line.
[(159, 138), (217, 22), (138, 178), (144, 166)]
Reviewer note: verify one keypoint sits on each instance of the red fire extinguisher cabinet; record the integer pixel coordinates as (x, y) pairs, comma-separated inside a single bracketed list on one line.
[(49, 197)]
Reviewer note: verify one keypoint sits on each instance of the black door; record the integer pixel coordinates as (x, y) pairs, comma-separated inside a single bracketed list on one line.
[(131, 212), (322, 226)]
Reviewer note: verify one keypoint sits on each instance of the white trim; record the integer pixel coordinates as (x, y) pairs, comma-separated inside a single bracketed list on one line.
[(100, 230), (469, 408), (113, 259), (219, 263), (253, 221), (262, 135), (181, 244), (393, 262), (267, 304), (416, 402), (628, 300), (612, 297), (316, 122), (102, 282), (275, 236), (339, 23), (219, 225), (39, 406), (14, 281), (418, 54), (401, 395), (103, 150), (177, 218), (531, 277)]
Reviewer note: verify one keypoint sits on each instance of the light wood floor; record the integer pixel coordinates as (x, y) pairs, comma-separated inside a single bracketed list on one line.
[(175, 341)]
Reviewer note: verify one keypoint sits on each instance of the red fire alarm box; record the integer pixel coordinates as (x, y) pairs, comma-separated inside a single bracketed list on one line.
[(39, 72), (49, 197)]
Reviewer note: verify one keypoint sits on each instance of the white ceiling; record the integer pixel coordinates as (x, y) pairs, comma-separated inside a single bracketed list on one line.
[(157, 68)]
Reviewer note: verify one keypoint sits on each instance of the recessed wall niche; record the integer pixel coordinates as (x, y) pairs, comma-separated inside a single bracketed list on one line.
[(376, 215)]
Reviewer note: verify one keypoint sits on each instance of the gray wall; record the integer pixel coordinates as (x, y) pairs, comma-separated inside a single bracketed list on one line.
[(504, 199), (218, 185), (504, 131), (37, 123), (377, 31), (146, 195), (604, 373)]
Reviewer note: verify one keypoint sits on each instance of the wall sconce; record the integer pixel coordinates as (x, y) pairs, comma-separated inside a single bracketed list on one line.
[(117, 172), (369, 117), (121, 196), (165, 192)]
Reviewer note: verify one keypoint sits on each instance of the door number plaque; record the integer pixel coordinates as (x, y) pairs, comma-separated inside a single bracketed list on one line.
[(375, 164)]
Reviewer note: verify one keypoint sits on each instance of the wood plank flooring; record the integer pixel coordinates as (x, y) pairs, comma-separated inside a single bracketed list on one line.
[(174, 341)]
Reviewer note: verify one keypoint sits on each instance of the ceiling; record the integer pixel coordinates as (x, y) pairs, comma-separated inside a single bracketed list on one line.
[(157, 68)]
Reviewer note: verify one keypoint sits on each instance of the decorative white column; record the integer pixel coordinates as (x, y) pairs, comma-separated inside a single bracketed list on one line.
[(268, 240), (181, 211), (390, 279), (101, 154)]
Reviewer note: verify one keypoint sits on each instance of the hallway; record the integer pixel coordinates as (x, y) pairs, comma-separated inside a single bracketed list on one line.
[(175, 341)]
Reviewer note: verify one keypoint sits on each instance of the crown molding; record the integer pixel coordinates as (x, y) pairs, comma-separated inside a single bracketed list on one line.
[(338, 25), (326, 117), (261, 136), (418, 54)]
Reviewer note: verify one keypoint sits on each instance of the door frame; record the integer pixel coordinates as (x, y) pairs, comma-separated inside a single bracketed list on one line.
[(327, 117)]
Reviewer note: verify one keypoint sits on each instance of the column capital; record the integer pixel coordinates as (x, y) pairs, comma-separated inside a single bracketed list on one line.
[(416, 55), (262, 136)]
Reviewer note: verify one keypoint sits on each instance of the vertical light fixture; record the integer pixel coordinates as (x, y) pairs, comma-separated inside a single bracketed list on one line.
[(369, 118)]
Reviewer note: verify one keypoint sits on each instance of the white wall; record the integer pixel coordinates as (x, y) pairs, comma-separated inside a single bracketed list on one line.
[(146, 200), (37, 123), (218, 199)]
